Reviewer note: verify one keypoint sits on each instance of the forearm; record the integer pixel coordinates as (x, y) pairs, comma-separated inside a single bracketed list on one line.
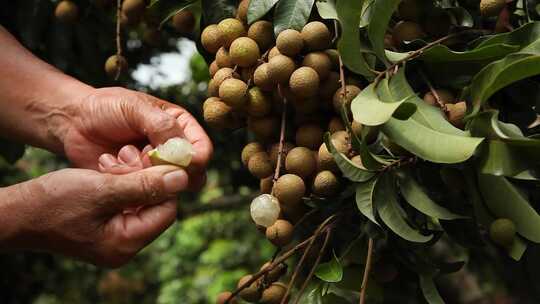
[(13, 216), (36, 99)]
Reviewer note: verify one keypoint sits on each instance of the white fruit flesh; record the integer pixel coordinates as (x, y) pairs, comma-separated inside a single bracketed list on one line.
[(265, 210), (176, 151)]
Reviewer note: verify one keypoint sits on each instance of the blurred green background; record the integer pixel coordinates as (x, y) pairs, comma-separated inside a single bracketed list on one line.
[(213, 242)]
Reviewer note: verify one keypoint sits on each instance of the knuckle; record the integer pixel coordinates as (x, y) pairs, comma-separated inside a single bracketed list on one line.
[(149, 186)]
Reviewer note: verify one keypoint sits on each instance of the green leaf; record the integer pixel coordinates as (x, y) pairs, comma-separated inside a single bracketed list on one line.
[(258, 8), (429, 144), (518, 248), (381, 12), (391, 213), (441, 53), (417, 198), (498, 74), (348, 168), (369, 110), (505, 201), (522, 36), (327, 9), (364, 199), (291, 14), (216, 10), (331, 271), (178, 7), (349, 45), (431, 294)]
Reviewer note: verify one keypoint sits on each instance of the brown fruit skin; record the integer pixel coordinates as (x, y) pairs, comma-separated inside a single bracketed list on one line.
[(351, 91), (281, 68), (456, 112), (259, 165), (335, 125), (410, 10), (251, 293), (304, 82), (320, 62), (114, 63), (328, 88), (274, 150), (262, 32), (280, 233), (152, 37), (233, 92), (212, 38), (222, 74), (444, 95), (305, 106), (491, 8), (66, 11), (289, 42), (244, 52), (357, 127), (133, 9), (222, 297), (247, 73), (273, 53), (223, 58), (259, 104), (357, 160), (213, 88), (249, 150), (407, 31), (273, 294), (216, 113), (325, 184), (325, 160), (289, 190), (316, 36), (241, 13), (266, 184), (183, 22), (265, 127), (276, 273), (263, 79), (231, 29), (309, 136), (301, 161), (213, 68)]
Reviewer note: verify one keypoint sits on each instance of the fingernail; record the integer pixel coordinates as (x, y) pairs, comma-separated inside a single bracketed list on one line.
[(107, 160), (129, 155), (175, 181)]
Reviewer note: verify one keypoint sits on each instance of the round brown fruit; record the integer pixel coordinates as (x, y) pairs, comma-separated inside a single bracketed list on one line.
[(251, 293), (244, 52), (335, 124), (301, 161), (456, 112), (356, 128), (216, 113), (309, 136), (289, 190), (258, 103), (281, 68), (262, 77), (274, 151), (266, 184), (116, 64), (212, 38), (223, 58), (273, 52), (222, 298), (222, 74), (340, 98), (280, 233), (233, 92), (357, 160), (334, 58), (249, 150), (320, 62), (328, 88), (289, 42), (264, 127), (231, 29), (326, 161), (325, 184), (66, 11), (213, 88), (133, 9), (183, 22), (276, 273), (445, 97), (152, 37), (262, 32), (213, 68), (304, 82), (407, 31), (491, 8), (274, 294), (259, 165), (316, 36)]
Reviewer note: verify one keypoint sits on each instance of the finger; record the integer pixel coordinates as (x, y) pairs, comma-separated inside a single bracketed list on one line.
[(145, 158), (150, 222), (144, 187), (107, 160), (131, 156)]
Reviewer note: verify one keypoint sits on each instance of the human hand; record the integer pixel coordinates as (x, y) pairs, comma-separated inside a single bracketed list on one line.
[(80, 213), (111, 118)]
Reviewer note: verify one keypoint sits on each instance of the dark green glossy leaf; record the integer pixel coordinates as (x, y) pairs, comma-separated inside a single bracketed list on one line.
[(327, 9), (416, 197), (364, 199), (390, 212), (518, 248), (291, 14), (349, 45), (431, 294), (216, 10), (194, 5), (381, 12), (258, 8), (505, 201), (441, 53), (331, 271), (348, 168)]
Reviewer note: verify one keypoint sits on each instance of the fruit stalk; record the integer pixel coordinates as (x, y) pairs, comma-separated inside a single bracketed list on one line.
[(367, 269), (118, 37)]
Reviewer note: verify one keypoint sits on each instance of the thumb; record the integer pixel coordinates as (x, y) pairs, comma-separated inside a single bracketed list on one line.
[(144, 187)]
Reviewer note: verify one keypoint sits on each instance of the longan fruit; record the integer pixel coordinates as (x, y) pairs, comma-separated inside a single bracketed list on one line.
[(213, 68), (325, 160), (491, 8), (334, 58), (263, 79), (328, 87), (280, 68), (266, 184), (216, 113), (305, 106), (273, 294), (133, 9), (276, 273), (115, 64), (273, 151), (456, 112), (259, 165), (325, 184), (289, 42), (301, 161), (289, 190), (502, 231), (335, 124), (251, 293), (407, 31), (258, 103), (231, 29), (357, 160), (212, 38), (262, 32), (264, 127), (316, 36), (244, 52), (445, 97), (340, 98), (152, 37), (223, 58), (304, 82), (213, 88), (280, 233), (309, 136), (356, 128), (233, 92), (183, 22), (222, 297), (249, 150), (273, 53), (224, 73), (320, 62), (66, 11)]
